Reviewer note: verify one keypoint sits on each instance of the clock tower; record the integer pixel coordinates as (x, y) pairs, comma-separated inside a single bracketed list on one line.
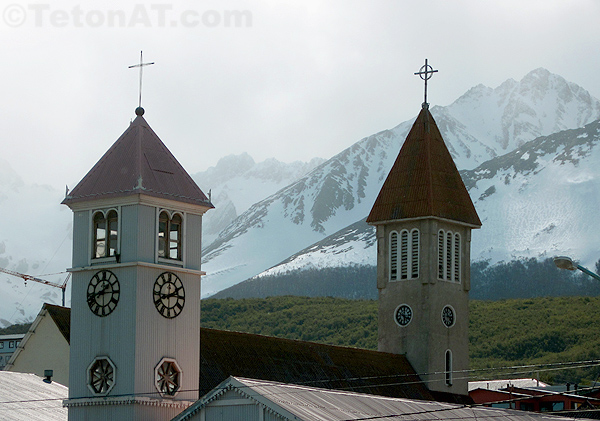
[(423, 217), (135, 317)]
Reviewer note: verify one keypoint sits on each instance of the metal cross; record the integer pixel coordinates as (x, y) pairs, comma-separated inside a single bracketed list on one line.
[(141, 66), (425, 73)]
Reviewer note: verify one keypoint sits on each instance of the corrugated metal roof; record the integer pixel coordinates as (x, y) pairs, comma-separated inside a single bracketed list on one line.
[(138, 163), (424, 181), (225, 354), (315, 404), (25, 396)]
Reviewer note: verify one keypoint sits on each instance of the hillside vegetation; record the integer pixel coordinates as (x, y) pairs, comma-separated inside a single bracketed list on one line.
[(504, 333)]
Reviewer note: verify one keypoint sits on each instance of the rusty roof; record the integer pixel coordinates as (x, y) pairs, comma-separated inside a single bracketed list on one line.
[(138, 163), (225, 354), (424, 181)]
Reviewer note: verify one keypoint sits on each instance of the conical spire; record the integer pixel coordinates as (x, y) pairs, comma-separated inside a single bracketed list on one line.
[(138, 163), (424, 181)]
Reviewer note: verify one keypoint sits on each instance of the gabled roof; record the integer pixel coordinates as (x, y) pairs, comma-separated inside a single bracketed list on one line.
[(61, 317), (138, 163), (225, 354), (424, 181), (294, 402)]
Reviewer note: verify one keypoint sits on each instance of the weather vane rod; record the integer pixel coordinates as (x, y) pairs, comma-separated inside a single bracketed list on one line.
[(141, 66), (425, 73)]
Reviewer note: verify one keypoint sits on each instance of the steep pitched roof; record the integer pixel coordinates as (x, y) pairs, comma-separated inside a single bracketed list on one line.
[(424, 181), (62, 319), (225, 354), (138, 163)]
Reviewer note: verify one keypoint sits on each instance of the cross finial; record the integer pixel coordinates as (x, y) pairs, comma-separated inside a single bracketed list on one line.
[(425, 73), (141, 66)]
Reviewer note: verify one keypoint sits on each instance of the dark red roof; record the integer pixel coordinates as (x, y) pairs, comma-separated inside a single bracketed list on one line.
[(138, 163), (225, 354), (424, 181)]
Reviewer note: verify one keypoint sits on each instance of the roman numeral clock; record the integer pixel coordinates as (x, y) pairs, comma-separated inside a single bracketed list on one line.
[(135, 317), (169, 295)]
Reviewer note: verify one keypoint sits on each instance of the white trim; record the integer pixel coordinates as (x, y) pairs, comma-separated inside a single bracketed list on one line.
[(108, 400), (145, 264), (139, 199)]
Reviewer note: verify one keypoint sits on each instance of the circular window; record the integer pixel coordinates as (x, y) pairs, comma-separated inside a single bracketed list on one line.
[(168, 377), (448, 316), (101, 376), (403, 315)]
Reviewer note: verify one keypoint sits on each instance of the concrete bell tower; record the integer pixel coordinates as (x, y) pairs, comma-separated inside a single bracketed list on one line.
[(423, 217), (135, 317)]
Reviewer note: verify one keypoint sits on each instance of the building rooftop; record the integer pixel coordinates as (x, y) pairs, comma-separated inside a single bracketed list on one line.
[(316, 404), (25, 396), (424, 181), (138, 163)]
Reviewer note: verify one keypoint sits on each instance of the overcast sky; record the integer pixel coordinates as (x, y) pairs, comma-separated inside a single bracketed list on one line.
[(290, 80)]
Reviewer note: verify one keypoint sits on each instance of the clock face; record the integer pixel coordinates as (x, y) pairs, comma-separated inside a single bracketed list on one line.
[(169, 295), (103, 293), (403, 315), (448, 317)]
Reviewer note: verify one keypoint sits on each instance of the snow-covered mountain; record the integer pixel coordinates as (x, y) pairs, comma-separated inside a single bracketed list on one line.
[(237, 182), (35, 239), (538, 201), (480, 125), (270, 211)]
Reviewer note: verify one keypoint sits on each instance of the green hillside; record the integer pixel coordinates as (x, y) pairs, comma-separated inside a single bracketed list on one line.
[(502, 333)]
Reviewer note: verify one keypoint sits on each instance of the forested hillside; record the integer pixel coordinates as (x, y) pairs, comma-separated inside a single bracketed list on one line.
[(502, 334)]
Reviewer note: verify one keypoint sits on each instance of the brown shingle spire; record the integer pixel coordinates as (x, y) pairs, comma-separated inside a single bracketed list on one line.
[(138, 163), (424, 181)]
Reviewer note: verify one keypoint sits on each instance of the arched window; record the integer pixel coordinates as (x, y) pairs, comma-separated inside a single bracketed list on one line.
[(449, 256), (404, 257), (414, 253), (404, 254), (394, 256), (456, 258), (441, 254), (448, 370), (105, 234), (170, 236)]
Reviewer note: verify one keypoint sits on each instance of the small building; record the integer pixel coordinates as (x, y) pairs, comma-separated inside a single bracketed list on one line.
[(258, 400), (8, 345), (533, 399), (46, 345)]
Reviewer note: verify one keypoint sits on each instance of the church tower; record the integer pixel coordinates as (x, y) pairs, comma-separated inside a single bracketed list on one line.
[(423, 218), (135, 316)]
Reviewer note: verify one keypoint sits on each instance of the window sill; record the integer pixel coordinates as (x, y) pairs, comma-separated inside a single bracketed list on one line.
[(102, 260), (172, 262)]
